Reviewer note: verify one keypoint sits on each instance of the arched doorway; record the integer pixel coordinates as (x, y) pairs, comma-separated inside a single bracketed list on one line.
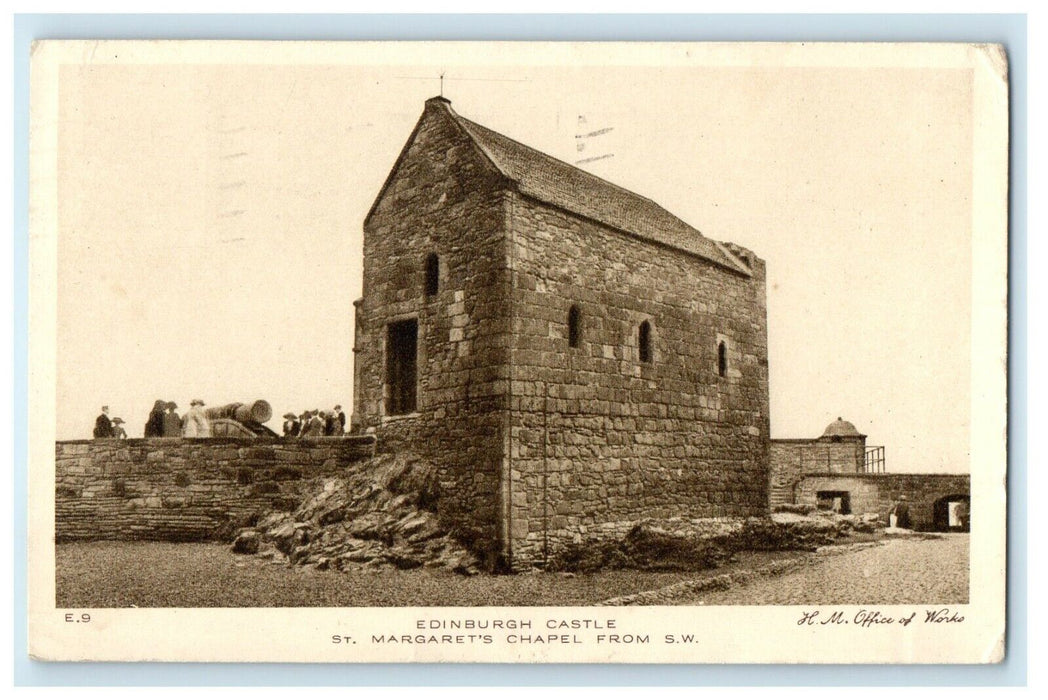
[(952, 513)]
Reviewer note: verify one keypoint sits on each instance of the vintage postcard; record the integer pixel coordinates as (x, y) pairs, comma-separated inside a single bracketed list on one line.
[(518, 352)]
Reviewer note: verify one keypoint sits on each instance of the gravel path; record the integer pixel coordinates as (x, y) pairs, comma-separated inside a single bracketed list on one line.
[(188, 574), (899, 572), (161, 574)]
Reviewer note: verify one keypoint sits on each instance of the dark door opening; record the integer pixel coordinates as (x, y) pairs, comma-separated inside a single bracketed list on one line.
[(837, 501), (401, 364), (952, 513)]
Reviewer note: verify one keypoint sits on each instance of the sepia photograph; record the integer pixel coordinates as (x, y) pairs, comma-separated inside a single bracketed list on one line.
[(518, 352)]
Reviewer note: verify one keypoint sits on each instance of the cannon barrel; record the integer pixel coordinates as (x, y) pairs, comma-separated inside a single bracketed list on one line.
[(255, 412)]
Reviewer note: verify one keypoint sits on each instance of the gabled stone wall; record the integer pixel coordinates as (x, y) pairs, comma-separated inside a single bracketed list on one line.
[(442, 197)]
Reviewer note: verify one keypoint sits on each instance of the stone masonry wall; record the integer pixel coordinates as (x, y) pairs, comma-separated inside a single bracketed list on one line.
[(443, 197), (174, 489), (599, 437), (876, 493), (790, 460)]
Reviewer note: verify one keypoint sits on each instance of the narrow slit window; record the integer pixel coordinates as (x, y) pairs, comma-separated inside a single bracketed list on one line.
[(722, 359), (401, 367), (432, 274), (574, 327), (644, 341)]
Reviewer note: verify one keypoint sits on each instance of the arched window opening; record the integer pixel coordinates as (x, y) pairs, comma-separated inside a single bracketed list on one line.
[(574, 327), (722, 359), (644, 341), (432, 274)]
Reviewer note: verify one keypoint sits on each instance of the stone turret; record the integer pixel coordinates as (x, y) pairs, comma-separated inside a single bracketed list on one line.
[(842, 431)]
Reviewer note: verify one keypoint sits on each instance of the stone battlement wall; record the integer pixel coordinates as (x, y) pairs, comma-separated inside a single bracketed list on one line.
[(175, 489), (876, 493), (791, 460)]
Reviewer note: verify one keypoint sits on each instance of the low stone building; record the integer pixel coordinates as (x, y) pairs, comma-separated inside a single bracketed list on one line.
[(839, 471), (572, 356)]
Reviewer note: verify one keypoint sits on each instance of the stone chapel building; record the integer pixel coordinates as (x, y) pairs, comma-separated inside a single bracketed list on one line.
[(571, 356)]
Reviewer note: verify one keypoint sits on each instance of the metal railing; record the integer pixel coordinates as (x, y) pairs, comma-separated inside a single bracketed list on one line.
[(873, 460)]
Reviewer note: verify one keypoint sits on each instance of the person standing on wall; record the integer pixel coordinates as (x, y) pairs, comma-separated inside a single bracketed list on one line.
[(118, 429), (331, 424), (195, 423), (103, 426), (314, 427), (291, 425), (155, 424), (172, 422)]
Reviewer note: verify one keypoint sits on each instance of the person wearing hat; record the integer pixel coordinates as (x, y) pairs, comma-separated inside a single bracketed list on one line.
[(103, 426), (155, 424), (324, 425), (291, 425), (172, 423), (341, 420), (195, 424), (899, 515), (118, 430), (331, 425), (314, 427)]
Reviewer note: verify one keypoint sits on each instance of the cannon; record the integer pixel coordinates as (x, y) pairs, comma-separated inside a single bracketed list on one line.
[(255, 412), (240, 419)]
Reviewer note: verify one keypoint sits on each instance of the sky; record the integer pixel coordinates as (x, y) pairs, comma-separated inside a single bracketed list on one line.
[(209, 222)]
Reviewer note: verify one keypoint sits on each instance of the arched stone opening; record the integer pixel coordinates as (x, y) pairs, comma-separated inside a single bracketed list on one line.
[(952, 513)]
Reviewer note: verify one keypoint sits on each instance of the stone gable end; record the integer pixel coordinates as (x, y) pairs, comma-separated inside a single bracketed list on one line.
[(442, 199)]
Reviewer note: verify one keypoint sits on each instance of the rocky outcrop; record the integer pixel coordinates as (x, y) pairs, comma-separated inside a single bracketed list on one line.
[(678, 544), (382, 513)]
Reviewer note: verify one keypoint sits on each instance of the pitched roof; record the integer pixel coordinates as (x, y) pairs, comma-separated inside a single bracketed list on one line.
[(555, 182)]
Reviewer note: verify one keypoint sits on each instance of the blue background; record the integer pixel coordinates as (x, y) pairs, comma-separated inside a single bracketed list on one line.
[(1009, 30)]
